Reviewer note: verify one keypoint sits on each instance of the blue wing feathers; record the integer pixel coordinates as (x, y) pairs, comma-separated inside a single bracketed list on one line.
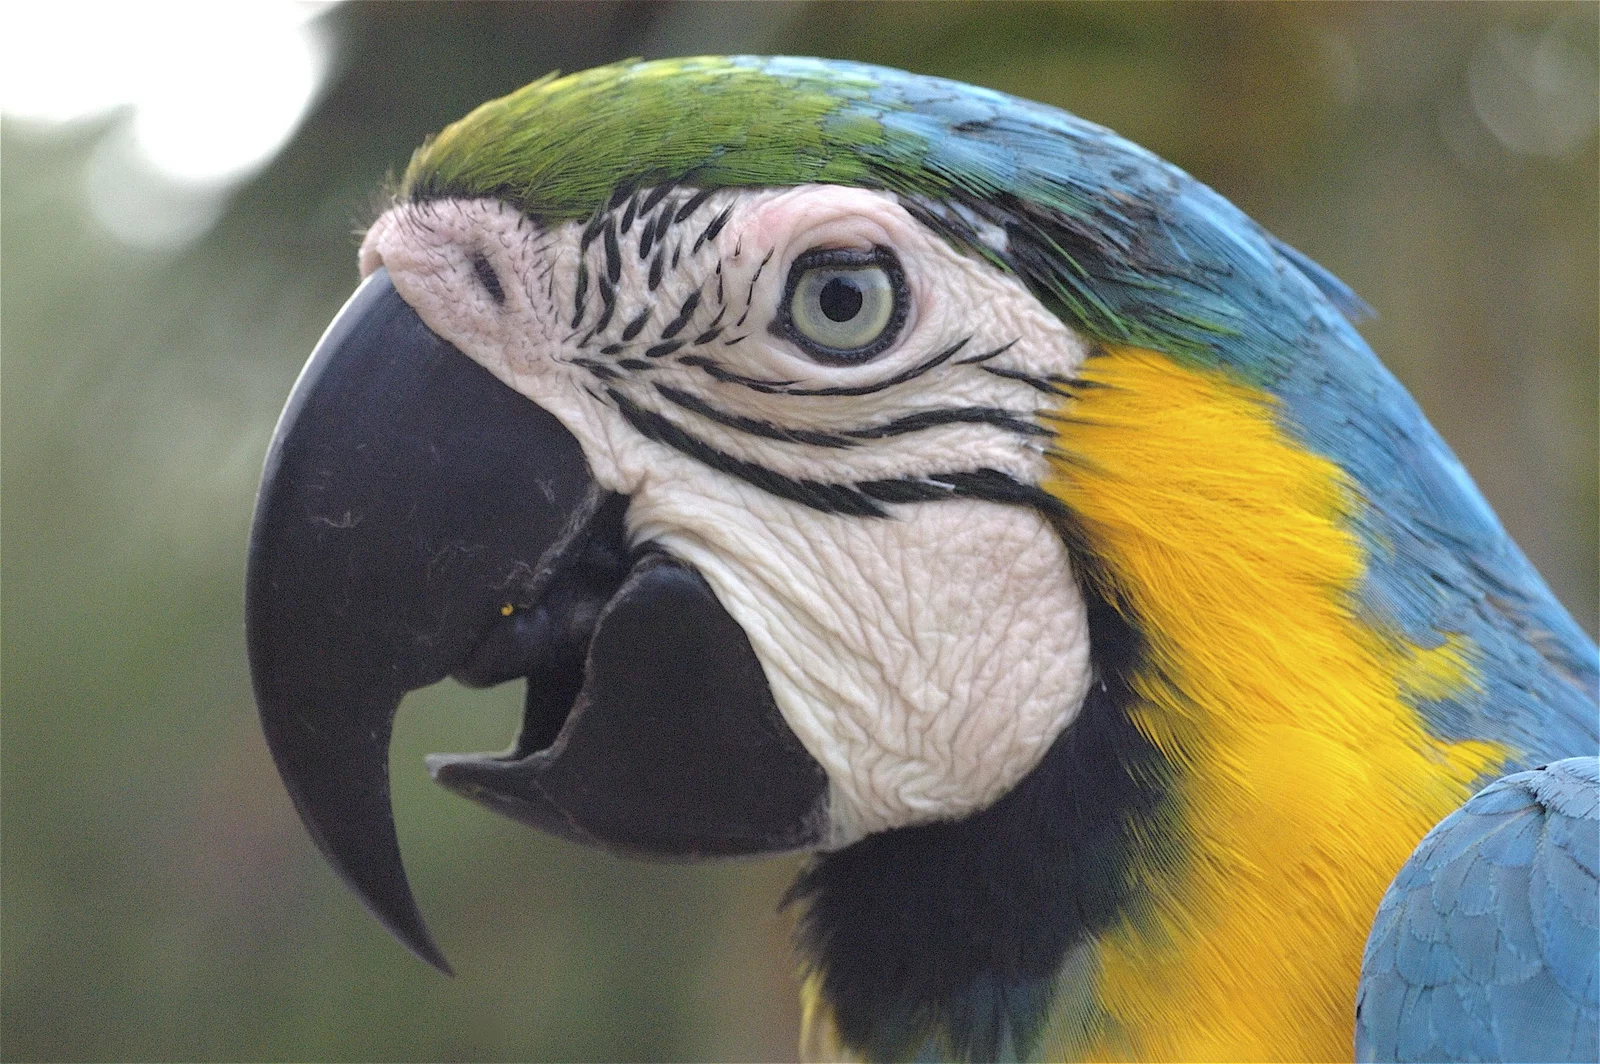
[(1487, 945), (1341, 295)]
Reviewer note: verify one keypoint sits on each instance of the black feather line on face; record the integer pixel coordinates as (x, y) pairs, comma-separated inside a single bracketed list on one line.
[(764, 429), (675, 326), (636, 326), (713, 228), (656, 195), (991, 485), (647, 237), (608, 300), (692, 205), (912, 373), (1051, 385), (750, 295), (973, 360), (920, 421), (859, 499), (828, 498), (661, 350), (598, 369), (580, 293), (613, 255), (716, 371), (607, 227), (994, 417), (958, 230), (719, 372), (662, 221)]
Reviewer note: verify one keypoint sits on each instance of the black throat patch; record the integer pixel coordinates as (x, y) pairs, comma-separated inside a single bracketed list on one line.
[(948, 938)]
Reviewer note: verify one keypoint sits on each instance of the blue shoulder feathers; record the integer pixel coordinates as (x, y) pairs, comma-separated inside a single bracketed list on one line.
[(1487, 945)]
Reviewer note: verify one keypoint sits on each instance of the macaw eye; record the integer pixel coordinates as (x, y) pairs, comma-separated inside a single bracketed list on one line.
[(842, 306)]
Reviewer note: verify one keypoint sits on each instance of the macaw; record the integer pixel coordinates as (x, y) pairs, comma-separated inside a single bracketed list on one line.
[(868, 464)]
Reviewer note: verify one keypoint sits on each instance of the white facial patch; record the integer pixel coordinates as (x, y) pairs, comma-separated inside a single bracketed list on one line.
[(874, 526)]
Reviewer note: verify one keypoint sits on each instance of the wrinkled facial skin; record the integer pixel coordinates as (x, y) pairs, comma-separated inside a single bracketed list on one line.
[(867, 524)]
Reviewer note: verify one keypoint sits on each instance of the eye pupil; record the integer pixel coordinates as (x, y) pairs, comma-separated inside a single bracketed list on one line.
[(842, 306), (840, 300)]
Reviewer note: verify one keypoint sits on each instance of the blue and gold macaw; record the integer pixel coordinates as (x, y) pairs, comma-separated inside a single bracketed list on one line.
[(879, 466)]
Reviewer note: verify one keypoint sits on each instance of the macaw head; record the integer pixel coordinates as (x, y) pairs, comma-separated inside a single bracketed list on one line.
[(747, 411)]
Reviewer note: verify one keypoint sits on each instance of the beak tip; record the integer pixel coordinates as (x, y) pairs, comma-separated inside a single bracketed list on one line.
[(436, 958), (408, 928)]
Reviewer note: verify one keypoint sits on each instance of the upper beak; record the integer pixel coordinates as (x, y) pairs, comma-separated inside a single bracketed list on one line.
[(418, 519)]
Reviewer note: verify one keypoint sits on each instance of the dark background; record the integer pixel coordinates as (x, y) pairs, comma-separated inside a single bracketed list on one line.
[(161, 900)]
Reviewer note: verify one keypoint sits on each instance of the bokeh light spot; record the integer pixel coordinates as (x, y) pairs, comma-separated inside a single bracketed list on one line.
[(213, 90), (1536, 92)]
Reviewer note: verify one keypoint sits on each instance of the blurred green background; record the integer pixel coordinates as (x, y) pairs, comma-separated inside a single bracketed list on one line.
[(160, 899)]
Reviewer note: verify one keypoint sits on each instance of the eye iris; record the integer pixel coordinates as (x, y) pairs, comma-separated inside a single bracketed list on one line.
[(842, 306), (840, 300)]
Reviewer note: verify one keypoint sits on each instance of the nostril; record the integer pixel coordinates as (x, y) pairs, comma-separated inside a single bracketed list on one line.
[(484, 270)]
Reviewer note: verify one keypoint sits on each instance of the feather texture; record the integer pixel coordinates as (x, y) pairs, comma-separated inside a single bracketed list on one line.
[(1487, 945)]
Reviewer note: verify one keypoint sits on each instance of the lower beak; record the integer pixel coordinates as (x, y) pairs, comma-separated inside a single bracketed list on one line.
[(419, 519)]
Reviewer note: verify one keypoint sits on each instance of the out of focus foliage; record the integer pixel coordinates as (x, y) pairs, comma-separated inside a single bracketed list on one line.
[(161, 900)]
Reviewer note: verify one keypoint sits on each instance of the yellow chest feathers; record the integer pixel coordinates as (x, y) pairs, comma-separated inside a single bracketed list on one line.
[(1303, 773)]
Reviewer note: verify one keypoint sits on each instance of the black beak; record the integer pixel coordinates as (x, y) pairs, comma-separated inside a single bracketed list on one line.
[(419, 519)]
